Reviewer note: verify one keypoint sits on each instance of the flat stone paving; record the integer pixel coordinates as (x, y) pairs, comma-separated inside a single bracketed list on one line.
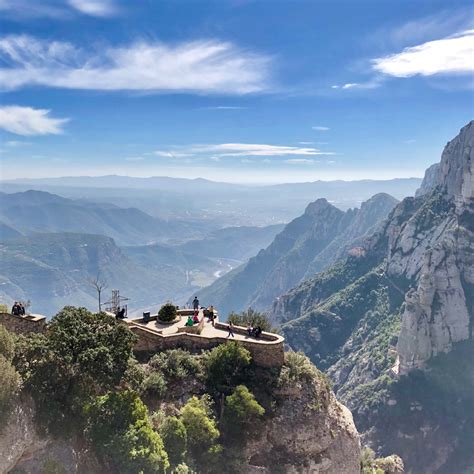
[(208, 331)]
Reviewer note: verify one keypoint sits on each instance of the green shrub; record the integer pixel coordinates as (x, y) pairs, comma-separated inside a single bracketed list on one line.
[(9, 382), (167, 313), (242, 411), (81, 355), (4, 308), (176, 364), (155, 384), (252, 317), (200, 424), (175, 439), (226, 365), (297, 367), (7, 344), (120, 430)]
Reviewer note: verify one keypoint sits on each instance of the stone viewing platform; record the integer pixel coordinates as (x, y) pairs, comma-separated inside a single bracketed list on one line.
[(153, 336), (30, 323)]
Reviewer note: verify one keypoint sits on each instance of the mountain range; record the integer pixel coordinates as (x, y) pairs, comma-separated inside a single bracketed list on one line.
[(392, 324), (308, 244)]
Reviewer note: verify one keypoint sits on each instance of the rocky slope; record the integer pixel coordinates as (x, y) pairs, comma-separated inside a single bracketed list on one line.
[(322, 235), (398, 304)]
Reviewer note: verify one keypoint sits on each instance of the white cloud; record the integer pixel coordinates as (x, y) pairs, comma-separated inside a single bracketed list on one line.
[(24, 9), (28, 121), (301, 161), (250, 149), (451, 55), (198, 67), (320, 128), (171, 154), (93, 7)]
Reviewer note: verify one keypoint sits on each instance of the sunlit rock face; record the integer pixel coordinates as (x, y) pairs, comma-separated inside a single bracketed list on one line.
[(435, 248)]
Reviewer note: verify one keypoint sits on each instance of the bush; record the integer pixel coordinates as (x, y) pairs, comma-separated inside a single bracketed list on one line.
[(226, 365), (82, 355), (176, 364), (241, 410), (252, 317), (167, 313), (297, 367), (4, 308), (121, 432), (8, 386), (155, 384), (175, 439), (200, 424), (7, 344)]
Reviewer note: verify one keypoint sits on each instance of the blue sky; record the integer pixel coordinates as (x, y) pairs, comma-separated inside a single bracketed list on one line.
[(238, 90)]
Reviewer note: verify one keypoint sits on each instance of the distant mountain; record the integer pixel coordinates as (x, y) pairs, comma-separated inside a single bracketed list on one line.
[(7, 232), (239, 243), (214, 204), (40, 211), (392, 324), (294, 252), (55, 269)]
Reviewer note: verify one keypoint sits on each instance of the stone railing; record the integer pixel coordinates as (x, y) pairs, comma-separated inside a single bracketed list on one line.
[(266, 352), (30, 323)]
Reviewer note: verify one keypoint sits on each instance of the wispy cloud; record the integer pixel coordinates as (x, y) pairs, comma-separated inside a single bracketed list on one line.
[(94, 7), (320, 128), (205, 67), (450, 55), (301, 161), (27, 121), (251, 149), (25, 9), (16, 143)]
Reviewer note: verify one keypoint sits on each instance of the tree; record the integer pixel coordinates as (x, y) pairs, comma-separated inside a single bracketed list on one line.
[(226, 365), (8, 375), (120, 430), (167, 313), (252, 317), (82, 355), (99, 285), (175, 439), (242, 411), (200, 423)]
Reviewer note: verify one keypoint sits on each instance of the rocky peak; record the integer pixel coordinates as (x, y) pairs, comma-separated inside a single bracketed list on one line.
[(317, 207), (456, 174), (430, 180)]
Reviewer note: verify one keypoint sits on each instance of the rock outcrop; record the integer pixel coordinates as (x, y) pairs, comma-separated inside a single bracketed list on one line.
[(430, 180)]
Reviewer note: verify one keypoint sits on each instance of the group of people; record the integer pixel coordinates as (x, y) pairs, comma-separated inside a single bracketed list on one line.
[(254, 331), (120, 313), (194, 319), (209, 313), (18, 309)]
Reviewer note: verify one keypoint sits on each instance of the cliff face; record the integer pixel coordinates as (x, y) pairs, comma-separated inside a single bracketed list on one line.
[(397, 306), (435, 248), (430, 180)]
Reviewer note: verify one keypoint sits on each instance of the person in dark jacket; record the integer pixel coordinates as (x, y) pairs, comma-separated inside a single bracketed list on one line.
[(195, 303)]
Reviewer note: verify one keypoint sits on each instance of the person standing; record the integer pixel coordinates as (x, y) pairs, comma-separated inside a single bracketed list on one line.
[(196, 303), (231, 329)]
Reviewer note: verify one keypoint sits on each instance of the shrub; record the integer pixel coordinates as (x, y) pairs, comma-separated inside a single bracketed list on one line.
[(200, 424), (241, 410), (4, 308), (9, 384), (155, 384), (7, 344), (176, 364), (167, 313), (82, 355), (252, 317), (297, 368), (175, 439), (226, 365), (121, 432)]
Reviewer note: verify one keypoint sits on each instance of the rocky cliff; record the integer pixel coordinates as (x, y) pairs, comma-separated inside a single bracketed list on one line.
[(397, 306), (308, 244)]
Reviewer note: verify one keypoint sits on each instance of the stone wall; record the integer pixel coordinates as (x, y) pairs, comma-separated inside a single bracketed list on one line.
[(265, 354), (23, 324)]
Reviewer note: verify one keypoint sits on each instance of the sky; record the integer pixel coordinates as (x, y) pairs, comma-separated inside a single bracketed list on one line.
[(232, 90)]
